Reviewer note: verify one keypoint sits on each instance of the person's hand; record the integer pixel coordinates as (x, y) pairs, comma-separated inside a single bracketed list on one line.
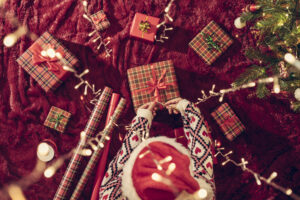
[(152, 106), (171, 105)]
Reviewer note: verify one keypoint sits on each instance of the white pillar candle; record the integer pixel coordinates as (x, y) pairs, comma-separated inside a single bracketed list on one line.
[(238, 23)]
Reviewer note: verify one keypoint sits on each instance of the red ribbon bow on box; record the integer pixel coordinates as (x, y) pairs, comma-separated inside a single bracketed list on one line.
[(52, 63), (156, 85)]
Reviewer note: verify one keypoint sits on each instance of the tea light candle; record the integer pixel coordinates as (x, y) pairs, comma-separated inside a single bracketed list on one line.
[(45, 152)]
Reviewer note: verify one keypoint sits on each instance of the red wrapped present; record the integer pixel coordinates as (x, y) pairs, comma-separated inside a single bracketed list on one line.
[(228, 121), (100, 20), (57, 119), (144, 27), (153, 82), (211, 42), (44, 61)]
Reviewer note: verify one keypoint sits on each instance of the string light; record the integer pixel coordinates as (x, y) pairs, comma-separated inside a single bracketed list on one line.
[(202, 193), (222, 92), (163, 36), (16, 193), (87, 86), (49, 172), (95, 32), (257, 177), (291, 59)]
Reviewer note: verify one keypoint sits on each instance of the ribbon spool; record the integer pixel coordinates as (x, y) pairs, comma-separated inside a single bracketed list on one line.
[(45, 150)]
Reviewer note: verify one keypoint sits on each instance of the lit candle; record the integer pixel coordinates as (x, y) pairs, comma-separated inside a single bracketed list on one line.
[(45, 152)]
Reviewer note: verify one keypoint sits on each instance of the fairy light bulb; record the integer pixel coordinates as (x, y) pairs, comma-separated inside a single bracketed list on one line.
[(44, 53), (49, 172), (87, 152), (15, 192), (51, 53), (288, 192), (10, 40), (290, 58), (156, 177), (84, 3), (202, 193)]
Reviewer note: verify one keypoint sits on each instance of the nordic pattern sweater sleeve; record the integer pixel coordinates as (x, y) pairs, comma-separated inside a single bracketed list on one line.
[(199, 142), (111, 184)]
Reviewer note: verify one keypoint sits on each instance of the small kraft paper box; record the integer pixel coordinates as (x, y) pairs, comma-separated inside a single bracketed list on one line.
[(57, 119), (211, 42), (228, 121), (153, 82), (100, 20), (44, 61), (144, 27)]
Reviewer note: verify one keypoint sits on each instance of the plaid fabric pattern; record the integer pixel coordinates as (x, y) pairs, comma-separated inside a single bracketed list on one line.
[(45, 78), (228, 121), (90, 128), (100, 20), (135, 30), (96, 155), (57, 119), (200, 46), (140, 76)]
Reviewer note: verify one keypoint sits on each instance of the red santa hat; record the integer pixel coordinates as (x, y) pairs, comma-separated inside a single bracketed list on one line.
[(142, 178)]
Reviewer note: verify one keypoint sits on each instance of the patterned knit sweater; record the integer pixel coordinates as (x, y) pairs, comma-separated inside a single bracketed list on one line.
[(199, 146)]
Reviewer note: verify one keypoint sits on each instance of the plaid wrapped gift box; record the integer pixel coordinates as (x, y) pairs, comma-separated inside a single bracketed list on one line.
[(57, 119), (100, 20), (144, 27), (228, 121), (211, 42), (156, 81), (44, 60)]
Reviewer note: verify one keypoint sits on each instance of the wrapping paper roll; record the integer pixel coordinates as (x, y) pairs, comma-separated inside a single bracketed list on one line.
[(89, 130), (102, 162), (96, 155)]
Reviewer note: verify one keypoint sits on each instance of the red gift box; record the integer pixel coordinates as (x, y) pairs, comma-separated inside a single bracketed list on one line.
[(144, 27), (228, 121), (153, 82), (44, 61), (57, 119), (100, 20)]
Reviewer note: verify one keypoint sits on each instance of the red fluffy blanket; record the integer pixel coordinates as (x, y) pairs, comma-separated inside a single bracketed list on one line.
[(270, 142)]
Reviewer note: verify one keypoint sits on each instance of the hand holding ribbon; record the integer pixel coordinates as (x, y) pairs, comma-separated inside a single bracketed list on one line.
[(156, 85)]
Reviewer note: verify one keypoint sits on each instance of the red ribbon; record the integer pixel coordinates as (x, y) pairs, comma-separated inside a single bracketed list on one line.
[(156, 85), (52, 63)]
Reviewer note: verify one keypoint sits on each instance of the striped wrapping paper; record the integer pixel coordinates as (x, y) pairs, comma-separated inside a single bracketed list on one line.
[(200, 45), (47, 72), (153, 82), (96, 155), (90, 129), (228, 121)]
